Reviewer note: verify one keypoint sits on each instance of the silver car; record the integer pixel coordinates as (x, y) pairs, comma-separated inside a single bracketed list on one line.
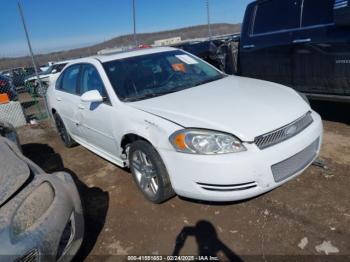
[(41, 216)]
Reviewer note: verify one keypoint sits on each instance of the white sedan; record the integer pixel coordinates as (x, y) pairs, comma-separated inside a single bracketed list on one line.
[(183, 127)]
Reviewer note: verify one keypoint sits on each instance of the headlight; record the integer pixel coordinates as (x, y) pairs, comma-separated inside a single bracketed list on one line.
[(32, 208), (205, 142)]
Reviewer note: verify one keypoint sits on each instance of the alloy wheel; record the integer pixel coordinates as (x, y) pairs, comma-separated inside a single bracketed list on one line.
[(145, 172)]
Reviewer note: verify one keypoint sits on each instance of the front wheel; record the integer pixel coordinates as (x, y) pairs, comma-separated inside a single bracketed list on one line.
[(149, 172)]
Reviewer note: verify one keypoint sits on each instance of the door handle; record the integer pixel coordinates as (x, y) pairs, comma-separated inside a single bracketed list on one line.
[(82, 107), (248, 46), (58, 98), (301, 41)]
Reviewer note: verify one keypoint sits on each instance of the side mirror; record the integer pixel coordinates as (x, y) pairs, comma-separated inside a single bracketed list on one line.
[(54, 71), (92, 96)]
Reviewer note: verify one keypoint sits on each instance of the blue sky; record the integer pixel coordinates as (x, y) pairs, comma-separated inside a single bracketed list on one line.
[(63, 24)]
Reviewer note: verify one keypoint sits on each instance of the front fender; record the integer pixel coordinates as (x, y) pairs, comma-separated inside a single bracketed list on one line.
[(152, 128)]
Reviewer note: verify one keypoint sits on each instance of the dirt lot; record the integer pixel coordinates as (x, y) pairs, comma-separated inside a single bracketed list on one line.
[(307, 216)]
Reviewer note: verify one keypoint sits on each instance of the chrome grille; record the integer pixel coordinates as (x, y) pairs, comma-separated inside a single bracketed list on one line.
[(296, 163), (284, 133)]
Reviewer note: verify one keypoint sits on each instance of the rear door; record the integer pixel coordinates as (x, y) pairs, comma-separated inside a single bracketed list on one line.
[(68, 98), (317, 47), (95, 119), (266, 51)]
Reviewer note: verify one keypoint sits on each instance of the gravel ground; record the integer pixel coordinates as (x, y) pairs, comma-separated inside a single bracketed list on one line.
[(308, 216)]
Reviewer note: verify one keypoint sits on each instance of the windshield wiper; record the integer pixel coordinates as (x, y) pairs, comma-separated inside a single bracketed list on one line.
[(151, 95)]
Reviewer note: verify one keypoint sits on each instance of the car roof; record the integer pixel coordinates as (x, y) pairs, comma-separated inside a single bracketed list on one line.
[(62, 62), (124, 54), (2, 77), (13, 69)]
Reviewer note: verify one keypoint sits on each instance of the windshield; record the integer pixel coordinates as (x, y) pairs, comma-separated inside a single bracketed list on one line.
[(47, 71), (58, 67), (142, 77)]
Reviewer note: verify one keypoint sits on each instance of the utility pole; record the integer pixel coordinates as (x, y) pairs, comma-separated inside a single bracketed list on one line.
[(208, 16), (134, 20), (28, 40), (30, 50)]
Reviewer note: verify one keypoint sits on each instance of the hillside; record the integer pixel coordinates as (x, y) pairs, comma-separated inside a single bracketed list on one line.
[(146, 38)]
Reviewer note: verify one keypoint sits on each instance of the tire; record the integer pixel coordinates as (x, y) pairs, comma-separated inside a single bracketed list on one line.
[(149, 172), (35, 87), (62, 131), (41, 90)]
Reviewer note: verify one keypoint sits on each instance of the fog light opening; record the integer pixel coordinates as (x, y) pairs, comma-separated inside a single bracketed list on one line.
[(67, 237), (31, 256)]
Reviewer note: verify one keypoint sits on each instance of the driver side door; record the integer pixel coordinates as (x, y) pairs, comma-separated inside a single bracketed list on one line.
[(96, 118)]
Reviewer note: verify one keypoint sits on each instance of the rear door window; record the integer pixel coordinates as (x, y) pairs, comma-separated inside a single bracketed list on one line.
[(59, 82), (317, 12), (70, 79), (276, 15)]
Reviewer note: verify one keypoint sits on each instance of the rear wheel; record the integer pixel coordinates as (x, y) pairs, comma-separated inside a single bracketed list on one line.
[(62, 131), (149, 172)]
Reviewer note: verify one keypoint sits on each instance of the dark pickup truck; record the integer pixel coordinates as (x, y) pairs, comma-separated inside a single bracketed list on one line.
[(304, 44)]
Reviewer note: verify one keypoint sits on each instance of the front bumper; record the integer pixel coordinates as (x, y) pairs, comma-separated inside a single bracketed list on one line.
[(244, 175), (43, 239)]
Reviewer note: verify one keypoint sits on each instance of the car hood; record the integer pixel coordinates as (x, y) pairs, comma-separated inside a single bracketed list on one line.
[(244, 107), (33, 77), (14, 171)]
